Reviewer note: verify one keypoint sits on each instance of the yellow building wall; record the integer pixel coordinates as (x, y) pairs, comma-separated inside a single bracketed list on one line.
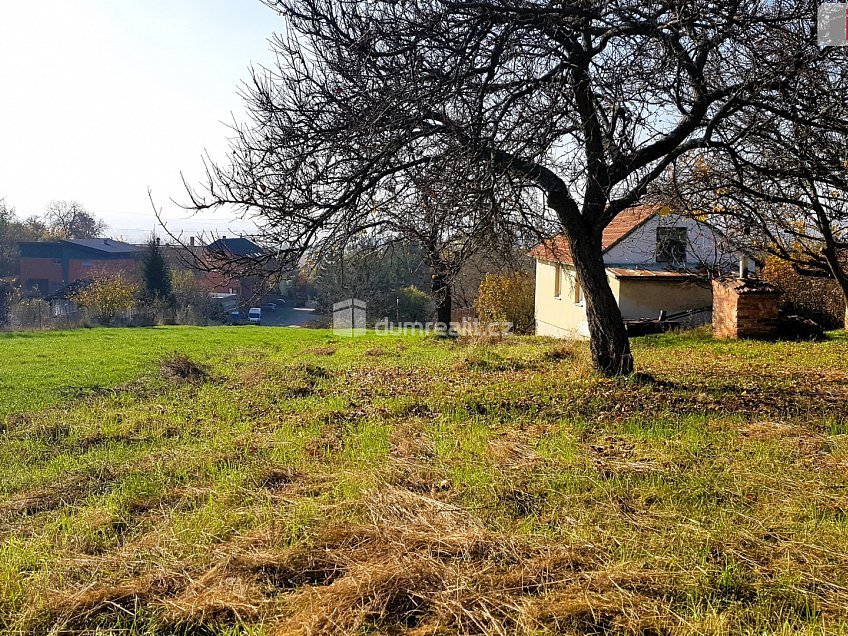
[(561, 317), (639, 298)]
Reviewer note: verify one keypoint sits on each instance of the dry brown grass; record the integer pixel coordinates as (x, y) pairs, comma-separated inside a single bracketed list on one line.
[(413, 564), (484, 489), (179, 367), (321, 351), (419, 567)]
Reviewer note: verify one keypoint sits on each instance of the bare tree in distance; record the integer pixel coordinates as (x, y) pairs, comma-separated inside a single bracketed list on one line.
[(14, 230), (583, 105), (70, 220), (452, 211), (777, 181)]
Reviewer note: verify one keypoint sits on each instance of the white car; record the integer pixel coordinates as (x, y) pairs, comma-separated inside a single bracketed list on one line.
[(254, 315)]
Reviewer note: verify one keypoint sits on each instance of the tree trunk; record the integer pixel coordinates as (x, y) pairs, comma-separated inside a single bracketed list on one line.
[(442, 297), (831, 255), (608, 339), (844, 289), (842, 281)]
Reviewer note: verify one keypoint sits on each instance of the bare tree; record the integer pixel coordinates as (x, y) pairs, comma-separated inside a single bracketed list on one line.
[(777, 179), (453, 212), (70, 220), (12, 232), (371, 271), (580, 104), (8, 247)]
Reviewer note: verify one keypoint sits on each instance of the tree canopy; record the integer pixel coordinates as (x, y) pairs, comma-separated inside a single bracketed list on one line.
[(70, 220), (155, 273), (582, 105), (777, 178)]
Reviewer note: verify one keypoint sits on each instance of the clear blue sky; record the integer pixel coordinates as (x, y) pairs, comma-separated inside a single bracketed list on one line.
[(102, 99)]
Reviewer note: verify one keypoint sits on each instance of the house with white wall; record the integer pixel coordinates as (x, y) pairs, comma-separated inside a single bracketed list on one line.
[(655, 261)]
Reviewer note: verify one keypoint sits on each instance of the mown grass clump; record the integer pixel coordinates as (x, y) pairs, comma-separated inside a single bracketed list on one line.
[(418, 486), (179, 367)]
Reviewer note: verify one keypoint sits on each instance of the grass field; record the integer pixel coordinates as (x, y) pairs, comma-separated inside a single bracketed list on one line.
[(42, 368), (274, 481)]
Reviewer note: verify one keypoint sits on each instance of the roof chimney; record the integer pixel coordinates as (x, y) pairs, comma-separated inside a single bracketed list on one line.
[(191, 241), (744, 266)]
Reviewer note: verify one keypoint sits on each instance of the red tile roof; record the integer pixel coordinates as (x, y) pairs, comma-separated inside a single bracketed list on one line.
[(556, 249)]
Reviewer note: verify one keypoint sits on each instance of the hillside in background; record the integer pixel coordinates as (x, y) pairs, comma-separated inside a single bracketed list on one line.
[(276, 481)]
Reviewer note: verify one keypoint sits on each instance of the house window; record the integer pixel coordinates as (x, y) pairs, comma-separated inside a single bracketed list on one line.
[(671, 245), (86, 263), (557, 281), (578, 292)]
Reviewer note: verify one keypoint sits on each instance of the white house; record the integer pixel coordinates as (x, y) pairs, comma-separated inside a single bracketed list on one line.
[(655, 262)]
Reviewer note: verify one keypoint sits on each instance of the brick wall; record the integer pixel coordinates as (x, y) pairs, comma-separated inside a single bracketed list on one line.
[(33, 269), (744, 308), (81, 269), (51, 270), (724, 311)]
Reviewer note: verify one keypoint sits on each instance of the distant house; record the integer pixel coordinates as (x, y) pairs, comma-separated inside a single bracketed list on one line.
[(235, 247), (231, 266), (47, 266), (654, 262)]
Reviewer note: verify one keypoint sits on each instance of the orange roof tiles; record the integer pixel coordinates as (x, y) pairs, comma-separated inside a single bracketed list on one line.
[(557, 249)]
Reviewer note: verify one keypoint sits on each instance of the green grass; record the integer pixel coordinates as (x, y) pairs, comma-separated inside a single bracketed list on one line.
[(43, 368), (297, 482)]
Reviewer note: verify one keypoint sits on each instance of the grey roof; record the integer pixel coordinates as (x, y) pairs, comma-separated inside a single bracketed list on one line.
[(236, 247), (109, 246)]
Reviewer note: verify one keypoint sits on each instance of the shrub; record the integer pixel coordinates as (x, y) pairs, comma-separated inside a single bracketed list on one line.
[(507, 298), (809, 296), (107, 298), (414, 305), (191, 299)]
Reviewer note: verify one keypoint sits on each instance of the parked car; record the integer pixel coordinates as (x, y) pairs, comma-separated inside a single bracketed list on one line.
[(254, 315), (270, 306)]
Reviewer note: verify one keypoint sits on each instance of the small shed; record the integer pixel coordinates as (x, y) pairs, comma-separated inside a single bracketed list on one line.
[(745, 308)]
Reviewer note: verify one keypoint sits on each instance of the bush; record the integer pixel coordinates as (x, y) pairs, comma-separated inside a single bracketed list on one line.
[(191, 300), (507, 298), (808, 296), (414, 305), (107, 298)]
